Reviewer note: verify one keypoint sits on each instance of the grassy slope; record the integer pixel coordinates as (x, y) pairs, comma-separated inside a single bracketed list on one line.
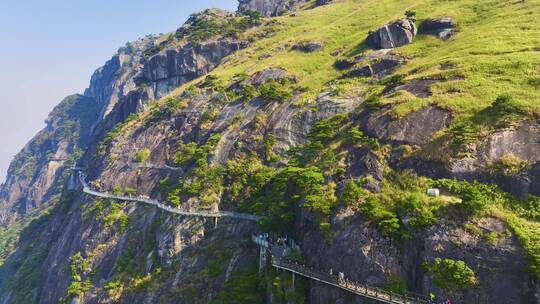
[(497, 49)]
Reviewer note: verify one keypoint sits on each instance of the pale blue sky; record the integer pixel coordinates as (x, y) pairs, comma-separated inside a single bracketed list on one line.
[(49, 49)]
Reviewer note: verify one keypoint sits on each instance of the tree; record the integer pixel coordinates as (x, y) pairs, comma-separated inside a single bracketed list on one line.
[(451, 274)]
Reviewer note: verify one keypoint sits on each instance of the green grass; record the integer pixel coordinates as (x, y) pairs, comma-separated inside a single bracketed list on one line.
[(496, 50)]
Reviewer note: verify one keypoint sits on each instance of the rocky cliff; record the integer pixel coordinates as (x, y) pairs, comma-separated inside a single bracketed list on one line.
[(335, 148)]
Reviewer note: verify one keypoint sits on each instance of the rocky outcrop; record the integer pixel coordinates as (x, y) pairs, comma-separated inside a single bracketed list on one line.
[(116, 78), (517, 141), (416, 128), (444, 28), (269, 8), (367, 255), (39, 171), (379, 64), (323, 2), (265, 75), (308, 47), (393, 35), (291, 126), (173, 67)]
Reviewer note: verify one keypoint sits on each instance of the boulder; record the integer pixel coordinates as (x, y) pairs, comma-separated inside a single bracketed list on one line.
[(393, 35), (308, 47), (322, 2), (362, 71), (444, 28), (269, 74), (378, 64), (269, 8)]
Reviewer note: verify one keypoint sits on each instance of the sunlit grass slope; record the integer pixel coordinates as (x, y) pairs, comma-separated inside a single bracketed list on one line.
[(496, 51)]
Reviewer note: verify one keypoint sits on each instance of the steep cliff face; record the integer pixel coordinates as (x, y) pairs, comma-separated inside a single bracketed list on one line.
[(39, 171), (335, 148), (173, 67)]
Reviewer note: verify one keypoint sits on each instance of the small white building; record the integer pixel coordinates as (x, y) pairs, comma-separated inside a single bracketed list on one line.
[(434, 192)]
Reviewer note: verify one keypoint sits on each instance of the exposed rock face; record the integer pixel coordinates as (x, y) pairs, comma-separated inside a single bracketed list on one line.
[(323, 2), (367, 255), (268, 8), (291, 127), (116, 78), (308, 47), (265, 75), (519, 142), (173, 67), (416, 128), (393, 35), (41, 168), (378, 65), (444, 28)]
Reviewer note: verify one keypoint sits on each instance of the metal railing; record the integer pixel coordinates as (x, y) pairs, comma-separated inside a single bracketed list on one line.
[(152, 202), (348, 285)]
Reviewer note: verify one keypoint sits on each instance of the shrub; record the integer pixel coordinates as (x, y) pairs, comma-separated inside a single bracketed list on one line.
[(393, 81), (508, 164), (287, 190), (212, 82), (396, 284), (410, 14), (244, 287), (372, 103), (476, 197), (451, 274), (327, 129), (352, 194), (269, 142), (386, 220), (249, 92), (171, 105), (142, 155), (184, 154), (274, 91), (414, 206)]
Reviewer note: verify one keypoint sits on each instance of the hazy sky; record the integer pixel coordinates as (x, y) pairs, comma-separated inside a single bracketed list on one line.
[(49, 49)]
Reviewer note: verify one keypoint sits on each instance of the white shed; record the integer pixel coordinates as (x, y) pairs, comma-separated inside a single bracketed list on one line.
[(433, 192)]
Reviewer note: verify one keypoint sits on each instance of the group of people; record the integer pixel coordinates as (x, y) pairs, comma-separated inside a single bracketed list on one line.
[(433, 300)]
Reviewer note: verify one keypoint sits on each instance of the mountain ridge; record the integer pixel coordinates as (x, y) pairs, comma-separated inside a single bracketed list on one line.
[(335, 144)]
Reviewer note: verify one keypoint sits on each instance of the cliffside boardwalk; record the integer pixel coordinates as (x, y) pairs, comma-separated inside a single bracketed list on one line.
[(152, 202), (374, 293), (350, 286), (277, 260)]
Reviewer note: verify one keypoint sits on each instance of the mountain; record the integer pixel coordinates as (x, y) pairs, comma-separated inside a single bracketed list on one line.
[(396, 142)]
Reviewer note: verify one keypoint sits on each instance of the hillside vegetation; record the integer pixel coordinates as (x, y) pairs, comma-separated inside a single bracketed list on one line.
[(266, 116)]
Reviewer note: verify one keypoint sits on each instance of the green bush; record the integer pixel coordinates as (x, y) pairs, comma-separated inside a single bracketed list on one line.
[(269, 154), (352, 194), (451, 274), (184, 154), (244, 287), (274, 91), (476, 197), (410, 14), (143, 155), (385, 219), (415, 207), (286, 191), (509, 164)]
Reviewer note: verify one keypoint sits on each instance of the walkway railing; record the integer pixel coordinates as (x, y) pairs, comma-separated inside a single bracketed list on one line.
[(133, 165), (353, 287), (152, 202), (280, 263)]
